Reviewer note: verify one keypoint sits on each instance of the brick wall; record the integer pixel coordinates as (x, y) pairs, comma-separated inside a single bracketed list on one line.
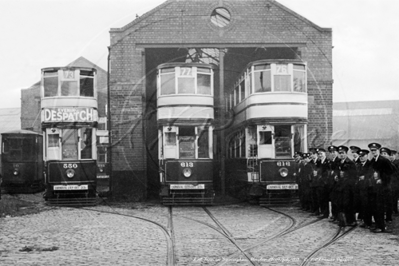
[(185, 24)]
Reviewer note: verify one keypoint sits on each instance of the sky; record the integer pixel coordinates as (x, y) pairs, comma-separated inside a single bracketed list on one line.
[(45, 33)]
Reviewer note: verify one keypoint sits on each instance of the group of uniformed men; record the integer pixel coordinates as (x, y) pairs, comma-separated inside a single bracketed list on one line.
[(364, 188)]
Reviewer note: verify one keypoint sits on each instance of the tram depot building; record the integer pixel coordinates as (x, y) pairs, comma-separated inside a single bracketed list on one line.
[(227, 33)]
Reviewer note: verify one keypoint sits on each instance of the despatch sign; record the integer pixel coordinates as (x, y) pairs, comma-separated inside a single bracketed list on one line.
[(69, 115)]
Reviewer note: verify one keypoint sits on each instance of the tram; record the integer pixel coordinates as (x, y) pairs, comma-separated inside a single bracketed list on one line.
[(22, 161), (69, 122), (185, 115), (269, 109)]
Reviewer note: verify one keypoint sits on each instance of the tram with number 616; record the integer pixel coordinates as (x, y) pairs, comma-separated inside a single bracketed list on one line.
[(269, 109), (185, 115), (69, 122)]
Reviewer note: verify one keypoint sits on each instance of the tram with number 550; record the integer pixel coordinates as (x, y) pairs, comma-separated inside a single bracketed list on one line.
[(185, 115), (269, 112), (69, 121)]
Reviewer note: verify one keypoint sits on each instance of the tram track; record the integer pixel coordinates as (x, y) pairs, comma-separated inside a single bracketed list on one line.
[(168, 230), (292, 227), (340, 233)]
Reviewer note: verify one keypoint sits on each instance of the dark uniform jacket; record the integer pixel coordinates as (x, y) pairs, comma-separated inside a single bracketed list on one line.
[(323, 169), (314, 179), (349, 177), (364, 169), (384, 168)]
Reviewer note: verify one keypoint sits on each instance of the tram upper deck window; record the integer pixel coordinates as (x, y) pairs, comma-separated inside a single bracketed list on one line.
[(204, 81), (263, 80), (282, 141), (168, 82), (299, 78), (69, 88), (282, 78), (242, 90), (185, 83), (50, 83), (86, 83)]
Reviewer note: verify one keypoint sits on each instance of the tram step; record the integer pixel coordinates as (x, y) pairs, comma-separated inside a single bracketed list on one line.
[(73, 202), (170, 201)]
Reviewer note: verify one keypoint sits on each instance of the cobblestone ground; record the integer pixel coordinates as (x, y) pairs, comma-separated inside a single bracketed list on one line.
[(68, 236), (79, 237)]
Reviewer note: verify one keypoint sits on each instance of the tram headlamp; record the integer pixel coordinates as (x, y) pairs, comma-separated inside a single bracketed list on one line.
[(15, 172), (70, 173), (187, 172), (283, 172)]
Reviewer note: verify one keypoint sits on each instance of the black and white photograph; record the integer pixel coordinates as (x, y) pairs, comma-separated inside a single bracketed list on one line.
[(199, 132)]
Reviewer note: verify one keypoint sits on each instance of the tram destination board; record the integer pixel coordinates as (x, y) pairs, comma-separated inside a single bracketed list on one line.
[(71, 187), (187, 186), (283, 186)]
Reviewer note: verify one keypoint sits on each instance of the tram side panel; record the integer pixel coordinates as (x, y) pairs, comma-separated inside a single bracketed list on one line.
[(22, 161)]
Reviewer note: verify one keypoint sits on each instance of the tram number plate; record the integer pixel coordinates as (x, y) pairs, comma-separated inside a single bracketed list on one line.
[(187, 186), (285, 186), (71, 187)]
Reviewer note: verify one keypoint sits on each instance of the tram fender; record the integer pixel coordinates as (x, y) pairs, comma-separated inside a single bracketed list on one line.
[(164, 191), (256, 190)]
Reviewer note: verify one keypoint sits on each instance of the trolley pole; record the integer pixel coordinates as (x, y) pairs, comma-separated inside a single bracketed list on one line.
[(222, 121)]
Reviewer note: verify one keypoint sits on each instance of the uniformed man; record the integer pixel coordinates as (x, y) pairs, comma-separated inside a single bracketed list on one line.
[(323, 170), (297, 173), (355, 154), (356, 198), (314, 183), (332, 183), (386, 153), (395, 181), (347, 180), (382, 171), (364, 183), (306, 176)]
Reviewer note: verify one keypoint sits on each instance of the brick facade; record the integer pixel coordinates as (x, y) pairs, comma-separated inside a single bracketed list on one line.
[(136, 49)]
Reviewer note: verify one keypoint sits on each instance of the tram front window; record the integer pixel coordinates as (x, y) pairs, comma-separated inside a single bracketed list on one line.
[(16, 149), (86, 143), (70, 144), (187, 142), (282, 142), (203, 144)]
